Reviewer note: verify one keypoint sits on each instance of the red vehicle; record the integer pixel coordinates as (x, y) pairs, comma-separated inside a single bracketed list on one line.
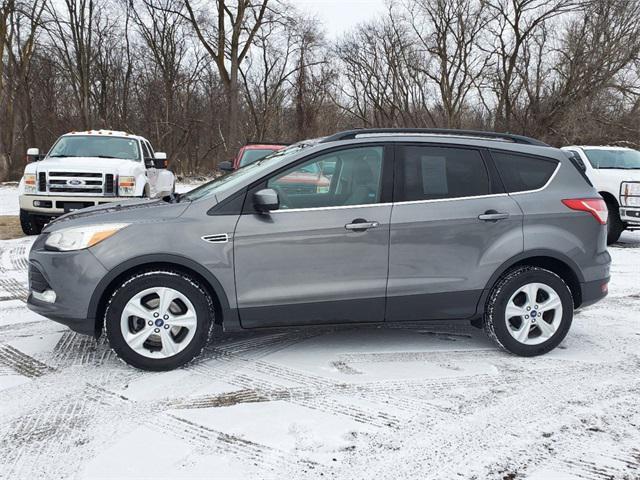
[(249, 154)]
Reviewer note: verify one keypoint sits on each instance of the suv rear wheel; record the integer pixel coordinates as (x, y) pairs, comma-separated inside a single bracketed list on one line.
[(529, 311), (159, 320)]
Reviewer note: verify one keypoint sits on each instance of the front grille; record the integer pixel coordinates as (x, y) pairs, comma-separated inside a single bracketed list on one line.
[(109, 185), (83, 183), (66, 189), (37, 282), (42, 182), (75, 174)]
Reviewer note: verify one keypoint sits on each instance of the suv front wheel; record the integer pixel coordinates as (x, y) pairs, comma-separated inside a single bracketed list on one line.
[(159, 320), (529, 311)]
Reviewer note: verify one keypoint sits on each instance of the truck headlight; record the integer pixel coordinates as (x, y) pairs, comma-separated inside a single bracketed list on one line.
[(126, 185), (77, 238), (30, 184), (630, 194)]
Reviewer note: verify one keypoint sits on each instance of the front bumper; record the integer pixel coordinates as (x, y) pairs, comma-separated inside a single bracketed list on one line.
[(58, 202), (630, 215), (73, 276)]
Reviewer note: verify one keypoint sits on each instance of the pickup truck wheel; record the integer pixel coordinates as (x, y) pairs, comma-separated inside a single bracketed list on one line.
[(615, 226), (30, 224), (529, 311), (159, 320)]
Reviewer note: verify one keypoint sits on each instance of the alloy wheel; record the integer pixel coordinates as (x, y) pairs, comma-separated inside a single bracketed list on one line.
[(158, 322), (533, 313)]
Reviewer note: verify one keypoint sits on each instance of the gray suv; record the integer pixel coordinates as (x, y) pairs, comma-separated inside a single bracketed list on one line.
[(364, 226)]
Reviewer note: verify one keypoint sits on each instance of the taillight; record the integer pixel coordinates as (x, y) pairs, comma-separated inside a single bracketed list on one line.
[(595, 206)]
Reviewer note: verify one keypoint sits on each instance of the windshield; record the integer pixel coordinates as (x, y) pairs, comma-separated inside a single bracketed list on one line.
[(250, 156), (96, 146), (623, 159), (236, 177)]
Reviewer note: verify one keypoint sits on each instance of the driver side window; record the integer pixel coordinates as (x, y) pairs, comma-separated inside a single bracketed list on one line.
[(346, 177)]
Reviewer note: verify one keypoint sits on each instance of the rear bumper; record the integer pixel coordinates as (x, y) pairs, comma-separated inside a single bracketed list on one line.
[(57, 203), (592, 292)]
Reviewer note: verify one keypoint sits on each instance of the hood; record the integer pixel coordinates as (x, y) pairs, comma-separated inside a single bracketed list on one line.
[(128, 211), (619, 175), (84, 164)]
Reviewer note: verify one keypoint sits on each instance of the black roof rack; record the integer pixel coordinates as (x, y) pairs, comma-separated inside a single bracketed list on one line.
[(350, 134)]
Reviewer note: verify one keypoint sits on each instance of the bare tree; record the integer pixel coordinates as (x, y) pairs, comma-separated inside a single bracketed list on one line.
[(447, 33), (513, 22)]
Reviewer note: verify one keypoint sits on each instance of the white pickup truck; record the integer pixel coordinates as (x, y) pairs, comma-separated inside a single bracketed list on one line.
[(615, 173), (84, 169)]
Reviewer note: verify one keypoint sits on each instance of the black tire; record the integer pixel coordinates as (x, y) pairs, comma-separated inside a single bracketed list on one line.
[(31, 224), (615, 226), (189, 287), (494, 318)]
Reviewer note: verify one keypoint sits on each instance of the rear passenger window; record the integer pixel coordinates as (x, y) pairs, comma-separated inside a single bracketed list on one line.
[(430, 173), (520, 173)]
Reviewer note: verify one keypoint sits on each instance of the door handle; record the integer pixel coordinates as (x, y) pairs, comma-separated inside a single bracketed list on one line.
[(492, 216), (360, 225)]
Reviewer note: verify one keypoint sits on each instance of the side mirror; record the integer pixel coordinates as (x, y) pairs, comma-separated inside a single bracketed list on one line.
[(33, 155), (266, 200), (225, 166), (161, 156)]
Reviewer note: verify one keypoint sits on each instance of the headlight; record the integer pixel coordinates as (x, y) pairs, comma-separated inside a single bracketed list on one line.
[(81, 237), (630, 194), (30, 183), (126, 185)]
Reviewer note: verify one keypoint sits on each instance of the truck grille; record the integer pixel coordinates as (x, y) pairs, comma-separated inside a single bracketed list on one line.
[(109, 185), (77, 183)]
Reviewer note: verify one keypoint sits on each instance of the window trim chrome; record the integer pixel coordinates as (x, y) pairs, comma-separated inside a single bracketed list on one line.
[(433, 200)]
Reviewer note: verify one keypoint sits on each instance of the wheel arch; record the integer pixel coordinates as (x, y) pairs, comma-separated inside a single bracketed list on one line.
[(550, 260), (114, 278), (608, 196)]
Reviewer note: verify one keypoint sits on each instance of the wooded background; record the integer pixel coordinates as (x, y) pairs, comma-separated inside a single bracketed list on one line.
[(199, 78)]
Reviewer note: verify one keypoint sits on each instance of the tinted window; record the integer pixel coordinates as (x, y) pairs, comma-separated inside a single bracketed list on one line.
[(436, 172), (346, 177), (520, 173)]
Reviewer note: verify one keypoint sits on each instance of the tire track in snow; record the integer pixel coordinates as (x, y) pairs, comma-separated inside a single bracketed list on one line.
[(77, 349), (12, 289), (22, 363), (41, 443), (209, 440)]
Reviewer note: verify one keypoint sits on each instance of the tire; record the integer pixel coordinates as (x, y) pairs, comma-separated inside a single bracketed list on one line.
[(151, 342), (511, 290), (615, 226), (31, 225)]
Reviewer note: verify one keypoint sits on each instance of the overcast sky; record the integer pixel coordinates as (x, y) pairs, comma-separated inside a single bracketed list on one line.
[(339, 16)]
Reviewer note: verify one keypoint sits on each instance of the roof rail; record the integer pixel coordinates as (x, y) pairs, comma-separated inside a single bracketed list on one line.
[(350, 134)]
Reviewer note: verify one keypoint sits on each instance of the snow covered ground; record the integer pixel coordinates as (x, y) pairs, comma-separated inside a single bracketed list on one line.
[(418, 401)]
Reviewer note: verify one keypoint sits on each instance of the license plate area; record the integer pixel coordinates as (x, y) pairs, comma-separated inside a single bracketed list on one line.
[(73, 206)]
